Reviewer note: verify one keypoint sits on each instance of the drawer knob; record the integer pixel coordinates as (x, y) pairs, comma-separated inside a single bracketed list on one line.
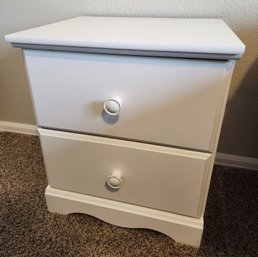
[(112, 106), (114, 181)]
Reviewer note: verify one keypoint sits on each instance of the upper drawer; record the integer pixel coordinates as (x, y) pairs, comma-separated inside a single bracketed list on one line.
[(164, 100)]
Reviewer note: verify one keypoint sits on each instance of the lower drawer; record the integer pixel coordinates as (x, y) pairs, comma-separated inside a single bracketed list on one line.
[(153, 176)]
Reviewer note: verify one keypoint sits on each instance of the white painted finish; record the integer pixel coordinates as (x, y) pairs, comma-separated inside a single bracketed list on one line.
[(167, 101), (158, 177), (151, 34), (182, 229)]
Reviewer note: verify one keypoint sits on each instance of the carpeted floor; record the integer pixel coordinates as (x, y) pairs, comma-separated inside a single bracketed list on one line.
[(28, 229)]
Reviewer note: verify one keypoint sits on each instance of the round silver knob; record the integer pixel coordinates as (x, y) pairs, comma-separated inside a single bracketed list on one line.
[(114, 181), (112, 106)]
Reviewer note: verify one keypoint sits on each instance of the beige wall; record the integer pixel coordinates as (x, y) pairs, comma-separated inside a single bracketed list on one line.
[(240, 128)]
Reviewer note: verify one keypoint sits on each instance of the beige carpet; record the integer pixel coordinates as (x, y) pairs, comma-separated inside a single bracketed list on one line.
[(28, 229)]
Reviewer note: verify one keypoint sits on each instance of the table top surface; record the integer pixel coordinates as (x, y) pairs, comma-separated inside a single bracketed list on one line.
[(188, 35)]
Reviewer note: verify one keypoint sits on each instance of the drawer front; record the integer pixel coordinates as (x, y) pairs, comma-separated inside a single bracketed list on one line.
[(163, 100), (154, 176)]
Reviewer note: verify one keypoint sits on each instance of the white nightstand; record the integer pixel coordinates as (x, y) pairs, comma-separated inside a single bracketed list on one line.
[(129, 113)]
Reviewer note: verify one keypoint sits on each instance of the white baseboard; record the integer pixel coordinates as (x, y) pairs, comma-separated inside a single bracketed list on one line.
[(236, 161), (18, 128), (221, 158)]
